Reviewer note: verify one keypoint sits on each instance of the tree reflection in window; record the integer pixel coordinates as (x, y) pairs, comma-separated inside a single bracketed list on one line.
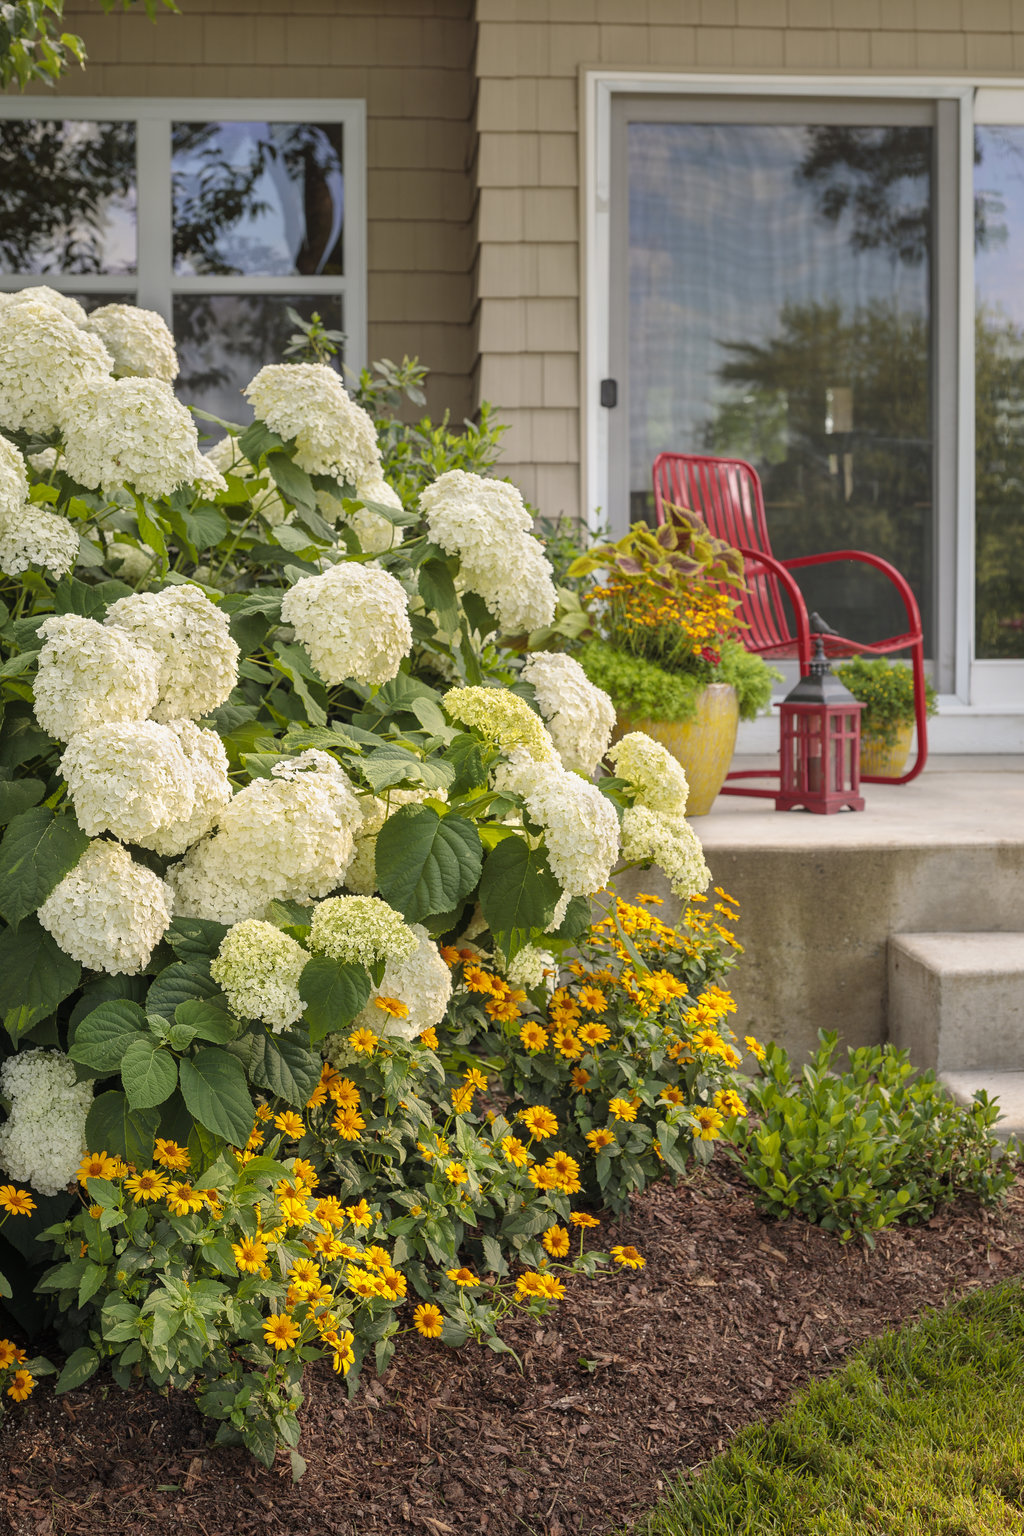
[(225, 339), (257, 199), (67, 196)]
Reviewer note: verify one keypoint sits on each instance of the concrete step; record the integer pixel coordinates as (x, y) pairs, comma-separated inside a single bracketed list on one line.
[(1007, 1087), (956, 1000)]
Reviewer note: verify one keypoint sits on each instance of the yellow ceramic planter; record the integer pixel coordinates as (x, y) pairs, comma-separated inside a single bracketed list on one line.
[(704, 745), (877, 758)]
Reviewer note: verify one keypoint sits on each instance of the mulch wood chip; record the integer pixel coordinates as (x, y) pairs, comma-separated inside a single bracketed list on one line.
[(626, 1383)]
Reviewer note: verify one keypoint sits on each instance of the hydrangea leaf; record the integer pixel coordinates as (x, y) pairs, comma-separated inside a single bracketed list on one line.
[(286, 1067), (122, 1131), (18, 796), (180, 983), (333, 992), (38, 850), (195, 938), (518, 893), (102, 1038), (35, 976), (207, 1021), (391, 764), (425, 862), (216, 1094), (149, 1074)]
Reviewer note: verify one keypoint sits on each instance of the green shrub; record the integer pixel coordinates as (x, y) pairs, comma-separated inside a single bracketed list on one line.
[(886, 689), (859, 1150), (642, 689)]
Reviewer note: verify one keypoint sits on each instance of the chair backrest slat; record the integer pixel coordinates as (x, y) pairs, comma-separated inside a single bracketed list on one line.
[(727, 495)]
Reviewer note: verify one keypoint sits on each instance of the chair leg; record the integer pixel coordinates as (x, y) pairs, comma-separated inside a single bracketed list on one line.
[(921, 722)]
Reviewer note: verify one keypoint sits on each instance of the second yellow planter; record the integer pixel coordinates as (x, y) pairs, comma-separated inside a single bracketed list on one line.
[(704, 746)]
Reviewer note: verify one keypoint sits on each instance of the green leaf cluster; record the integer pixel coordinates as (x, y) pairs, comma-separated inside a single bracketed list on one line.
[(886, 689), (857, 1151)]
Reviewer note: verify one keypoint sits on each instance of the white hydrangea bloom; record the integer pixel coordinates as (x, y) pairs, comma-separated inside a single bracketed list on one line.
[(33, 536), (208, 768), (42, 1142), (226, 456), (139, 341), (308, 402), (91, 675), (44, 362), (360, 928), (532, 967), (651, 837), (44, 461), (258, 968), (109, 913), (353, 621), (199, 659), (130, 778), (131, 561), (361, 875), (579, 716), (504, 719), (133, 431), (486, 524), (13, 480), (42, 293), (290, 837), (421, 981), (657, 778), (581, 829)]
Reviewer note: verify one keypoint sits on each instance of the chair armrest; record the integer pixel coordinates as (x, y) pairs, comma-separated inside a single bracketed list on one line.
[(899, 581), (777, 568)]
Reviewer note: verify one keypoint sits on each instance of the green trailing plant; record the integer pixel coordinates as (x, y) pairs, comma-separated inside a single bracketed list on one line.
[(859, 1150), (886, 689)]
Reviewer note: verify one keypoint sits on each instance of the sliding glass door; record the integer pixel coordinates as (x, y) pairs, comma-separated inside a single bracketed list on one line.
[(776, 287), (998, 670)]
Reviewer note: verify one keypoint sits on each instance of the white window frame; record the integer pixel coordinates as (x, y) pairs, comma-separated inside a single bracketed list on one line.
[(984, 711), (154, 282)]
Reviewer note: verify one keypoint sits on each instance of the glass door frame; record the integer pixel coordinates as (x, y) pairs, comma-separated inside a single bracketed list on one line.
[(609, 98)]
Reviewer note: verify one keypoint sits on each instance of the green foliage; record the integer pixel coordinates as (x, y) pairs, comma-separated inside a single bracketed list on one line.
[(646, 691), (33, 49), (919, 1432), (886, 689), (415, 453), (860, 1150)]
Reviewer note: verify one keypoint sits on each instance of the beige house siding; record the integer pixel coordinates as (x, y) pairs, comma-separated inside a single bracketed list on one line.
[(529, 57), (411, 61)]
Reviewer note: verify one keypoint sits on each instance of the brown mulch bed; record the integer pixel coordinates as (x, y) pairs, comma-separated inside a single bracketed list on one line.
[(626, 1383)]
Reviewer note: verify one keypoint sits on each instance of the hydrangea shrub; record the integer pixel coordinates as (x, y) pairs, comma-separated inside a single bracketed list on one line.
[(270, 755)]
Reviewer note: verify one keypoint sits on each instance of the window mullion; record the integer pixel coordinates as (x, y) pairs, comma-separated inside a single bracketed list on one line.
[(154, 214)]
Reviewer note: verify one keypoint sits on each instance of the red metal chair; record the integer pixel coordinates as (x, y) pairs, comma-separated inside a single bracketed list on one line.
[(727, 494)]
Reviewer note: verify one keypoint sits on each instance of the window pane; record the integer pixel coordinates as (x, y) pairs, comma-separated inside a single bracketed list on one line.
[(780, 313), (999, 390), (258, 199), (67, 196), (225, 339)]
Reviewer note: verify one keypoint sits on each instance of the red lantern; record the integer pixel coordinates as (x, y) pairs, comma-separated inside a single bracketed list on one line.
[(819, 760)]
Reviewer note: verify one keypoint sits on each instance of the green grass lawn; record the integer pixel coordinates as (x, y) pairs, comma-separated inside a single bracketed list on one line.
[(920, 1434)]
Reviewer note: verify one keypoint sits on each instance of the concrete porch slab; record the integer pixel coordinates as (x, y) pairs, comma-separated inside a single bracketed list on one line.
[(821, 895), (1007, 1087)]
